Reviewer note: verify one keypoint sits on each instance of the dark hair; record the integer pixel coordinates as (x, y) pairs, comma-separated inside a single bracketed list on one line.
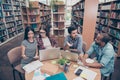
[(27, 29), (106, 38), (70, 29), (47, 33)]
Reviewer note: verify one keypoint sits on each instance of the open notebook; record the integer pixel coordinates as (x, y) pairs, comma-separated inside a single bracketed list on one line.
[(32, 66), (86, 73)]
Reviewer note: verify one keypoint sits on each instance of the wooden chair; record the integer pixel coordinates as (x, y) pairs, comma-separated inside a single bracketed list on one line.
[(14, 56), (84, 47)]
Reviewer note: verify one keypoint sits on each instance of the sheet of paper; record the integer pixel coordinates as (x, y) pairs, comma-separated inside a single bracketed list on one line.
[(32, 66), (88, 60), (78, 78), (86, 73), (38, 75)]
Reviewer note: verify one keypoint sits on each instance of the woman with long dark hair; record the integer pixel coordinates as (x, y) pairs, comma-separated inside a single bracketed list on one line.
[(45, 41), (29, 47)]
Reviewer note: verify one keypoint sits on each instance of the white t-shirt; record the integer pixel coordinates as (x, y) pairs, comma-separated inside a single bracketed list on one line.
[(46, 43)]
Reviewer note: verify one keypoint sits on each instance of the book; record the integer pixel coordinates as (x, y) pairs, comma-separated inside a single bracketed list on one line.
[(59, 76)]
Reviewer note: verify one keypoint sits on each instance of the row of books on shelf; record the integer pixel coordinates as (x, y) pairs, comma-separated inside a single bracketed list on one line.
[(7, 7), (2, 39), (44, 7), (115, 15), (44, 18), (45, 13), (33, 18), (20, 28), (1, 20), (17, 13), (115, 33), (18, 18), (16, 3), (2, 27), (103, 14), (12, 29), (78, 14), (8, 19), (59, 18), (3, 32), (9, 25), (1, 14), (101, 28), (113, 6), (16, 8), (6, 1), (114, 23), (8, 13), (0, 7), (34, 12), (57, 25), (115, 42), (58, 32), (18, 22), (24, 11), (104, 21), (23, 4), (12, 34), (78, 7)]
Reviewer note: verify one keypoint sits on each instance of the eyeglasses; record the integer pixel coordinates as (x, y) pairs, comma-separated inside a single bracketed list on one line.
[(42, 32)]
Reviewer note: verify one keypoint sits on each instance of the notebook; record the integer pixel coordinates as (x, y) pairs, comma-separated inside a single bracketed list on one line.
[(32, 66), (59, 76), (48, 54), (86, 73)]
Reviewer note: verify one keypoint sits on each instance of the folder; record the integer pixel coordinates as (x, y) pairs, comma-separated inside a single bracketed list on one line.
[(59, 76)]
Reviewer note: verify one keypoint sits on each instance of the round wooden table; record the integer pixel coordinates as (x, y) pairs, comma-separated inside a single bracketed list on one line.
[(70, 75)]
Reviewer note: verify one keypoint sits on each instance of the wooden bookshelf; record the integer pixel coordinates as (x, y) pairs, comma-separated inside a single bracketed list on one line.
[(77, 15), (59, 22), (45, 12), (37, 15), (108, 21), (10, 20)]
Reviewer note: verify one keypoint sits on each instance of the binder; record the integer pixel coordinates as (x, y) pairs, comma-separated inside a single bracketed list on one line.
[(59, 76)]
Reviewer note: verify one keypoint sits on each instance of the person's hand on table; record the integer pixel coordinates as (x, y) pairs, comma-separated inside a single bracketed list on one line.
[(24, 57), (84, 62), (36, 57)]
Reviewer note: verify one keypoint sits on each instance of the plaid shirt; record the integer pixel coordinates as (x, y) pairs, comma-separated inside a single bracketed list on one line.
[(41, 45)]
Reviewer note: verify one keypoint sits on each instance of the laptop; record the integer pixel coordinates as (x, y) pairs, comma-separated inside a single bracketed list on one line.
[(69, 55), (48, 54)]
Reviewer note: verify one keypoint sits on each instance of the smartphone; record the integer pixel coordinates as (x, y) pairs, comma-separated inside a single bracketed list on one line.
[(78, 72)]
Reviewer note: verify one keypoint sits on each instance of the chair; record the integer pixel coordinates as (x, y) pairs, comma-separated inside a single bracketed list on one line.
[(14, 56), (84, 47)]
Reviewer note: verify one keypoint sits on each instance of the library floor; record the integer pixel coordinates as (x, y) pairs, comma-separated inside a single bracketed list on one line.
[(6, 70)]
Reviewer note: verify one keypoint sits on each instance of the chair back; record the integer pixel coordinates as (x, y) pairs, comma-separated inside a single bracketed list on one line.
[(14, 55), (84, 47)]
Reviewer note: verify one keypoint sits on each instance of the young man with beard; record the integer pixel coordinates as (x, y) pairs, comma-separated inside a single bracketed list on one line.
[(104, 53), (73, 42)]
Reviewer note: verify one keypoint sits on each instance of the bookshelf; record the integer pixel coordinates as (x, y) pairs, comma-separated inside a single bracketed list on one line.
[(77, 15), (17, 16), (10, 20), (59, 22), (45, 15), (37, 15), (108, 21)]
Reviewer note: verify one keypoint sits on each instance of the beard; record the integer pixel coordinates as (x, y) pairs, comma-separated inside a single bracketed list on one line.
[(97, 43)]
